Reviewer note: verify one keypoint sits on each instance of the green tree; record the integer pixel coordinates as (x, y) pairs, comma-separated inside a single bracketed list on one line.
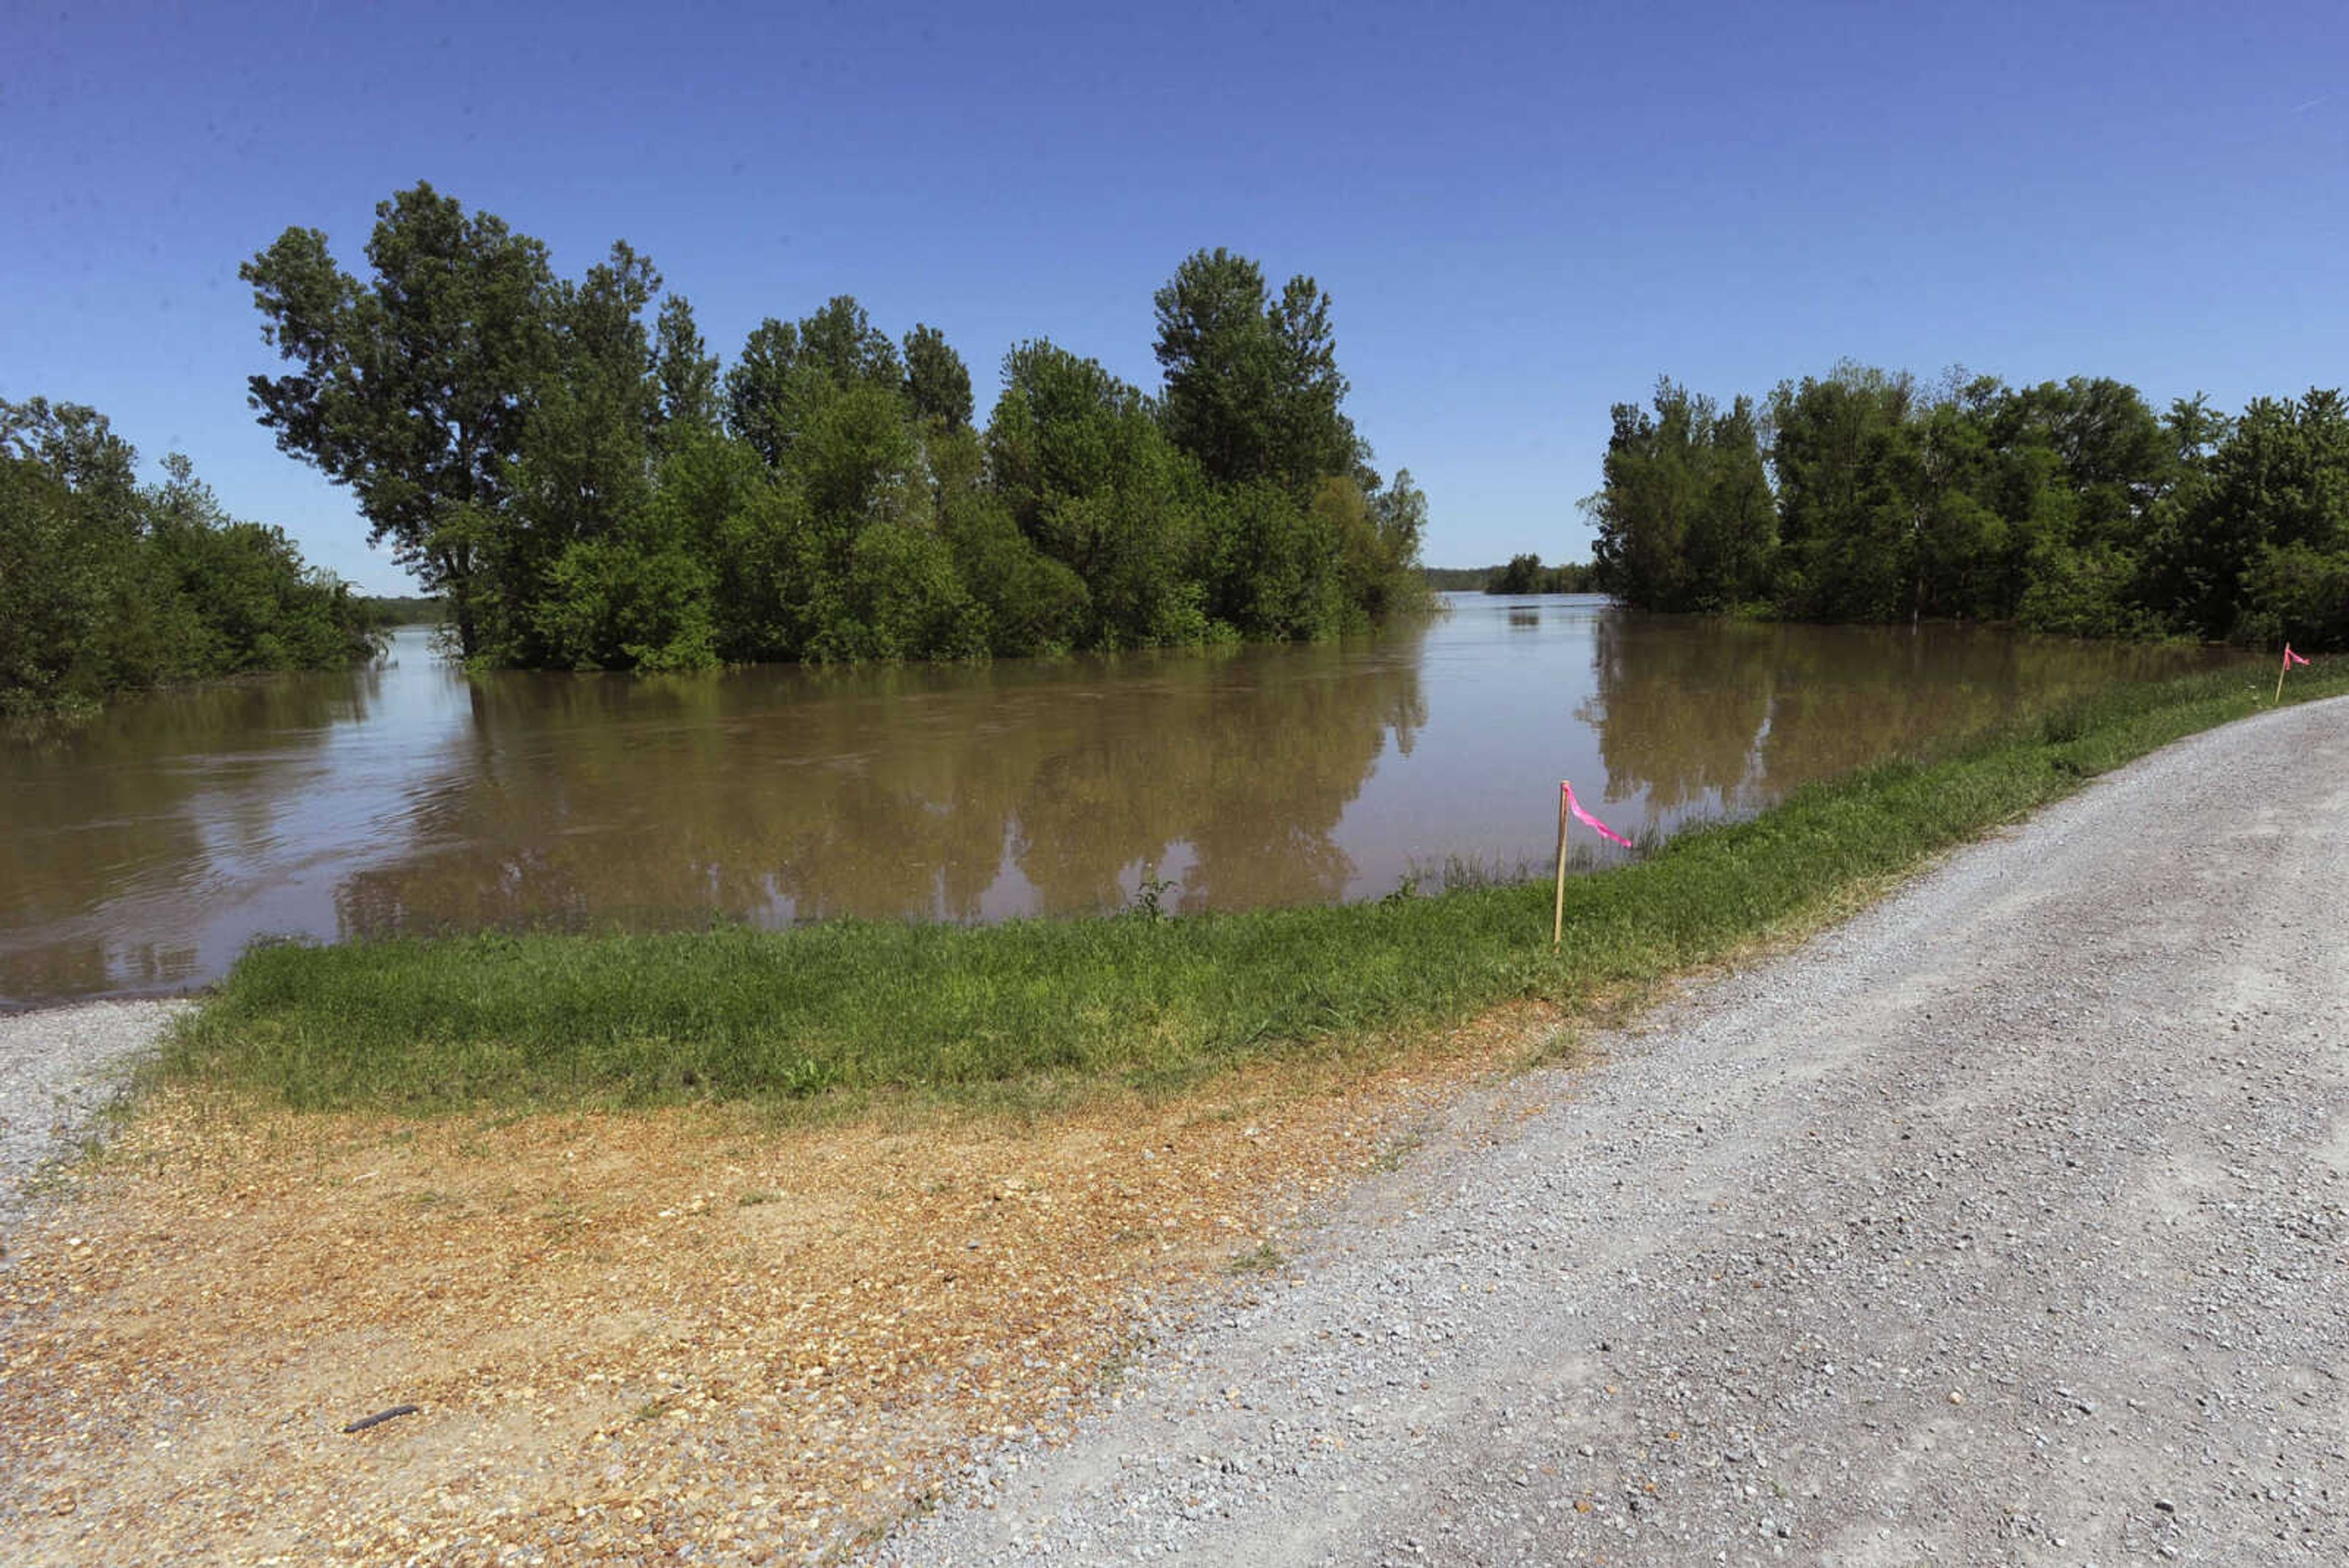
[(937, 383), (107, 585), (684, 371), (1274, 563), (1523, 575), (1093, 481), (413, 389), (757, 389), (1685, 519), (583, 479), (1253, 390), (1848, 472), (1023, 601), (1377, 547), (68, 528), (788, 369), (1399, 512), (2258, 547), (233, 597)]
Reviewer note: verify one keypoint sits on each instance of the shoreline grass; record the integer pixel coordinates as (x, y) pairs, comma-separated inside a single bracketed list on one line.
[(1033, 1010)]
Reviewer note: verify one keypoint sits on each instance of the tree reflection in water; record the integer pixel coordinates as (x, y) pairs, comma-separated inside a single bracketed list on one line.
[(143, 851), (1705, 717), (958, 794)]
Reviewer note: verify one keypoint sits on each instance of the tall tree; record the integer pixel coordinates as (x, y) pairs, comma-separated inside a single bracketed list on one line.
[(789, 369), (937, 383), (68, 529), (1685, 520), (1092, 480), (1253, 390), (684, 370), (413, 389), (581, 485), (2261, 548), (1314, 438), (1846, 459), (757, 413)]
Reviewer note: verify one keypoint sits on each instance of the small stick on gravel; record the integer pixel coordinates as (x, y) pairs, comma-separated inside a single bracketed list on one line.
[(364, 1422)]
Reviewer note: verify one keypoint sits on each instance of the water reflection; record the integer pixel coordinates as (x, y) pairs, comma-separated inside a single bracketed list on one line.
[(142, 852), (115, 837), (785, 794), (1699, 716)]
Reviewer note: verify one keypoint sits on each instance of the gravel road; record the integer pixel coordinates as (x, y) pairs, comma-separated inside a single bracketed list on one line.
[(58, 1069), (2004, 1224)]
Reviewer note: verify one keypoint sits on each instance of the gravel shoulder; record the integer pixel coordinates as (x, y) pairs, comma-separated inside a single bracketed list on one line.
[(2004, 1224), (60, 1069)]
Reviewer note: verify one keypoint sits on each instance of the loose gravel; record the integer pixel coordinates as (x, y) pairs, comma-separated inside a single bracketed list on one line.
[(60, 1069), (2004, 1224)]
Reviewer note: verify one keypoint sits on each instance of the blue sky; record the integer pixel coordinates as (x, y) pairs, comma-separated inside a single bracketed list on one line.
[(1523, 214)]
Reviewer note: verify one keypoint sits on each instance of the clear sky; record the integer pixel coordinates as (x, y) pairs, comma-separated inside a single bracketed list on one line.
[(1523, 214)]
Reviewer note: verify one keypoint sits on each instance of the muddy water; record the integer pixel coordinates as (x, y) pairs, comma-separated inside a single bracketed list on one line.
[(142, 852)]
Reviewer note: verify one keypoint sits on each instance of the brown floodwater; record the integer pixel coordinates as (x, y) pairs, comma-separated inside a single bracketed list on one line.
[(143, 851)]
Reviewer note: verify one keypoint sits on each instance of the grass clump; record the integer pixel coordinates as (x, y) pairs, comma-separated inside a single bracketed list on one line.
[(1033, 1008)]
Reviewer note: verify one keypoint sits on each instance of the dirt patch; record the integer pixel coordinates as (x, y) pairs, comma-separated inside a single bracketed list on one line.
[(629, 1336)]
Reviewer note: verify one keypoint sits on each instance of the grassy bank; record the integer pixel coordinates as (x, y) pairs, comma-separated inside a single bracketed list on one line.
[(1035, 1007)]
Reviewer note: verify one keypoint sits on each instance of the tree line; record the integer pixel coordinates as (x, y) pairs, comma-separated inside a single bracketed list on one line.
[(2067, 507), (586, 485), (108, 585), (1519, 575), (1526, 574)]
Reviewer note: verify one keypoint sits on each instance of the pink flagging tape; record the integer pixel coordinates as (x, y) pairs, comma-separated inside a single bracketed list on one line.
[(1589, 821), (2290, 658)]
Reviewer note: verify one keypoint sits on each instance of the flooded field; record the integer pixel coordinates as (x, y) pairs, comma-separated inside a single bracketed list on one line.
[(142, 852)]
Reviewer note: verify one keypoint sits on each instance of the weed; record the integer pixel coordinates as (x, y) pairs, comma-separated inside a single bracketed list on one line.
[(1264, 1258), (1150, 896)]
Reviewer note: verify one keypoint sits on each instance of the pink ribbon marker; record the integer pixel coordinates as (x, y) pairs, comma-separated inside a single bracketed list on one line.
[(1589, 821), (2290, 658)]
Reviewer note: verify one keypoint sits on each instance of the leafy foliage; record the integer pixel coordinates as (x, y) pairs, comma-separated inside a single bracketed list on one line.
[(586, 491), (2067, 507), (107, 585), (1526, 574), (1685, 519), (1252, 383)]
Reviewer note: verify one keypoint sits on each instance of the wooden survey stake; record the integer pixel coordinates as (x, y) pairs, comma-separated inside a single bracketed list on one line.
[(1558, 909)]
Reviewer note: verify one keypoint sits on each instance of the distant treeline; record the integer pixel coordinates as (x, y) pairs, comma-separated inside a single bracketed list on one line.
[(394, 610), (2066, 507), (1526, 574), (1522, 575), (108, 585), (586, 490)]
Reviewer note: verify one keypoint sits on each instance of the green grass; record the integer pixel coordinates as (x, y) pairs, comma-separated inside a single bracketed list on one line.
[(1025, 1012)]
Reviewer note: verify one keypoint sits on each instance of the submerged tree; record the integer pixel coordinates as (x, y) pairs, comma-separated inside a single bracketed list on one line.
[(107, 585), (589, 491), (1684, 520), (413, 388), (2068, 506)]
